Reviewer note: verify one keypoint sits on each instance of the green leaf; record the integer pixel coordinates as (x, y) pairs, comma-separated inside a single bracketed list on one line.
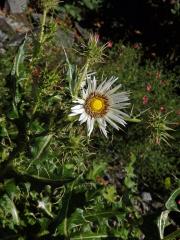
[(18, 60), (110, 194), (41, 144), (11, 188), (36, 127), (97, 170), (163, 221), (71, 75), (39, 149), (99, 214), (93, 236), (91, 4), (171, 202), (76, 219), (167, 182), (9, 207), (130, 175)]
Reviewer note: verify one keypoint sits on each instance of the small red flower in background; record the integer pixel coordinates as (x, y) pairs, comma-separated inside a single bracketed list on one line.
[(109, 44), (162, 109), (148, 87), (136, 46), (145, 100)]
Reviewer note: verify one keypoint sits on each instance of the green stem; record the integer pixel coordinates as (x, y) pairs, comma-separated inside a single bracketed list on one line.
[(66, 212), (36, 180), (35, 108), (173, 235), (42, 26), (81, 79), (134, 120)]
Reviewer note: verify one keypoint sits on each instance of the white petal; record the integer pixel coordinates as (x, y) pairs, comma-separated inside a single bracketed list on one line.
[(73, 114), (84, 120), (80, 101), (104, 131), (102, 126), (84, 93), (94, 83), (120, 97), (89, 89), (78, 111), (90, 125), (113, 90), (119, 112), (90, 75), (116, 118), (100, 86), (108, 84), (111, 122), (83, 117), (77, 107), (119, 105)]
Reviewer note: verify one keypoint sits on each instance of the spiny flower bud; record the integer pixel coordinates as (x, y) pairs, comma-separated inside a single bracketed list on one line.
[(93, 51), (49, 4)]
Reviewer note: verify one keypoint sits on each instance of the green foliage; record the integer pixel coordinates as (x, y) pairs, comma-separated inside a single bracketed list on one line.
[(159, 127), (172, 204), (51, 173), (54, 182), (156, 105), (78, 9)]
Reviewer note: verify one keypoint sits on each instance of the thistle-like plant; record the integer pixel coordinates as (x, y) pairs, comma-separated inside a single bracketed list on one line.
[(93, 53), (47, 5), (159, 126), (93, 50)]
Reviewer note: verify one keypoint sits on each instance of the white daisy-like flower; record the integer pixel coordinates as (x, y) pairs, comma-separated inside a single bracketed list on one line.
[(101, 104)]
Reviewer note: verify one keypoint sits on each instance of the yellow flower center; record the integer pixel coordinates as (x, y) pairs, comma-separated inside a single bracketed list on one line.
[(96, 105)]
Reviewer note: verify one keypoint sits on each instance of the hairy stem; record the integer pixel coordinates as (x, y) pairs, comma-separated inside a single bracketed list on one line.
[(81, 78), (133, 120), (66, 212), (42, 26)]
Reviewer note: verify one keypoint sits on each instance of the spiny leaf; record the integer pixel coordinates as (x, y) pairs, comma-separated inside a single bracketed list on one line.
[(171, 202), (163, 222), (12, 209), (41, 144), (18, 59), (104, 213), (71, 74)]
